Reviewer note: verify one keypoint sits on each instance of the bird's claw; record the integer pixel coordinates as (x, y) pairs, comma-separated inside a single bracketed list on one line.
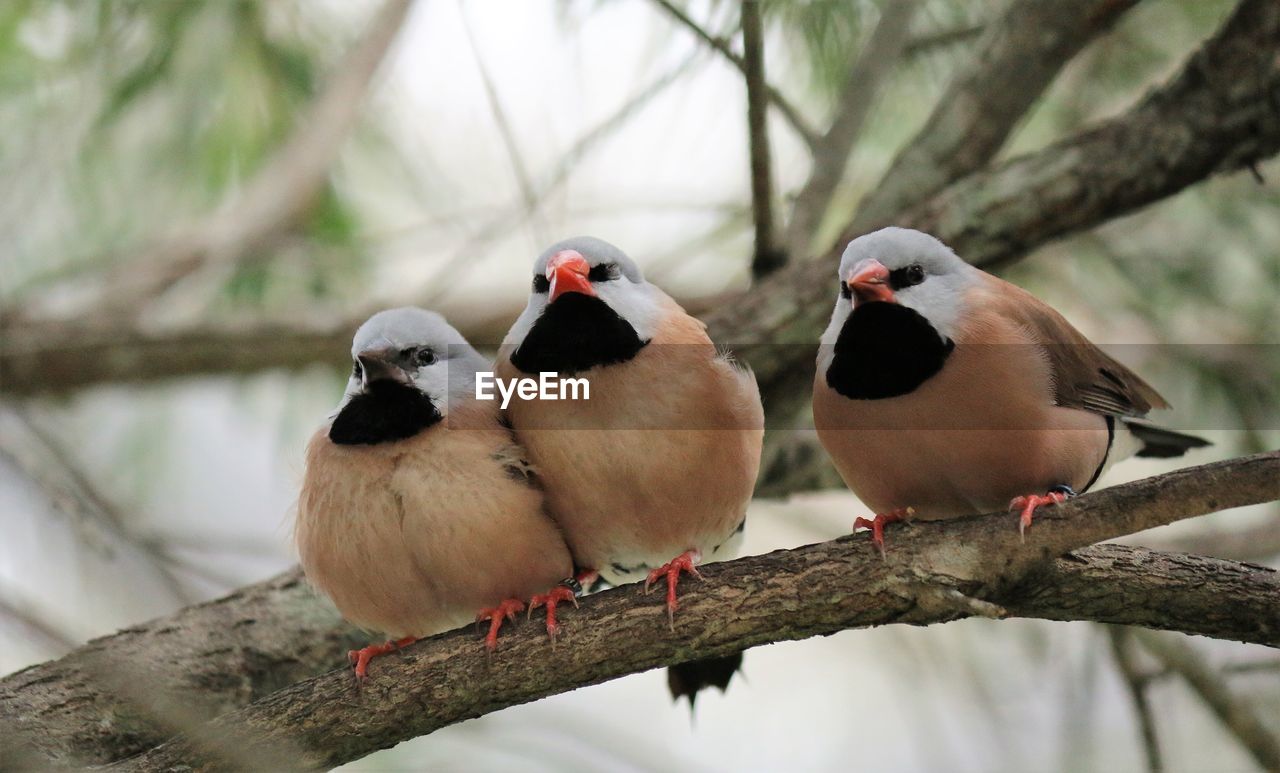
[(1028, 504), (877, 524), (506, 610), (550, 599), (360, 658), (685, 562)]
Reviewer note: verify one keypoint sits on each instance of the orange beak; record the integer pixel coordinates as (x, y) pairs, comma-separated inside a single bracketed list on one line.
[(870, 282), (568, 271)]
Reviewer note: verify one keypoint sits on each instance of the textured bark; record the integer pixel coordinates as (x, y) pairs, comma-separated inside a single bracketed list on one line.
[(125, 693), (232, 651), (1022, 52), (934, 573), (1221, 113)]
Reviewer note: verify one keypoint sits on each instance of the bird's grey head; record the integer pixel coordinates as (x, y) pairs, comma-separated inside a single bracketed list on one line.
[(591, 266), (912, 268), (418, 348)]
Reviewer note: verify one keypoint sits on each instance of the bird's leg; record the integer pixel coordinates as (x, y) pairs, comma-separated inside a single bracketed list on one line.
[(567, 590), (1029, 503), (877, 524), (360, 658), (506, 610), (685, 562)]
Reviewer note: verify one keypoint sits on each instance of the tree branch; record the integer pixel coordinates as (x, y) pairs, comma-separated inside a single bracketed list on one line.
[(1240, 717), (931, 571), (785, 108), (938, 573), (767, 257), (209, 659), (1136, 682), (1015, 62), (1220, 113), (60, 356), (831, 153)]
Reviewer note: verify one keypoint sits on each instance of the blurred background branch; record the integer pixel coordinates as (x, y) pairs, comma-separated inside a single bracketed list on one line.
[(273, 201), (1235, 712)]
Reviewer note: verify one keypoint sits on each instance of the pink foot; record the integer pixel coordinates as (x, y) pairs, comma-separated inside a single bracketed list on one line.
[(505, 610), (360, 658), (1029, 503), (877, 524), (550, 600), (685, 562)]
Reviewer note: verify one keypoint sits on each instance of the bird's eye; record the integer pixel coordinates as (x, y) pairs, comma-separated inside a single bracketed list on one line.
[(603, 272), (915, 274), (424, 357), (846, 292), (357, 372), (541, 284)]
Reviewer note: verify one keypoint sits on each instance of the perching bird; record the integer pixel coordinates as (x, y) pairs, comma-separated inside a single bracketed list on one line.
[(942, 390), (652, 474), (417, 507)]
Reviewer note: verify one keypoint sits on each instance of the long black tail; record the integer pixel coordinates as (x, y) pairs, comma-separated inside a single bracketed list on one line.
[(1161, 443), (686, 679)]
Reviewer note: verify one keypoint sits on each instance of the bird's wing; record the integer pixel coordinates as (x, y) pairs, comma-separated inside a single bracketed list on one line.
[(1084, 376)]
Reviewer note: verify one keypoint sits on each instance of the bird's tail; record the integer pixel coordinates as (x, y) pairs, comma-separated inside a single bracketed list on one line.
[(1161, 443), (686, 679)]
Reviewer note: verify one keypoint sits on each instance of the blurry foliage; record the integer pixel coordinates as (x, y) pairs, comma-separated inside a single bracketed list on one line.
[(162, 110)]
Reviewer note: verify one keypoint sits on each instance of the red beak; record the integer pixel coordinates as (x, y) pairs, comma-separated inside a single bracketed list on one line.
[(568, 271), (870, 282)]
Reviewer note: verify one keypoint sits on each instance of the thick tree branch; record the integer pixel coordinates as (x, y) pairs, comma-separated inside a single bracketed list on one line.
[(721, 46), (1014, 63), (208, 659), (233, 649), (831, 153), (60, 356)]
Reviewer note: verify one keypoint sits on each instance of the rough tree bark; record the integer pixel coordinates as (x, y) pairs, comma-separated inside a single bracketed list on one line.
[(934, 572), (1022, 52)]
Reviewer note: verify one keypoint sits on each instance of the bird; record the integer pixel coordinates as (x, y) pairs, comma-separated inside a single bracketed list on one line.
[(942, 390), (650, 476), (417, 507)]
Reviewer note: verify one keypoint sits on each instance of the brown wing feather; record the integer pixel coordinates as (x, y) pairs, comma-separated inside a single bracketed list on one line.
[(1084, 376)]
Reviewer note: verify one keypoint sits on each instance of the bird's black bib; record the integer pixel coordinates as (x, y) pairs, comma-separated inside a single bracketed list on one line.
[(576, 332), (385, 412), (885, 350)]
